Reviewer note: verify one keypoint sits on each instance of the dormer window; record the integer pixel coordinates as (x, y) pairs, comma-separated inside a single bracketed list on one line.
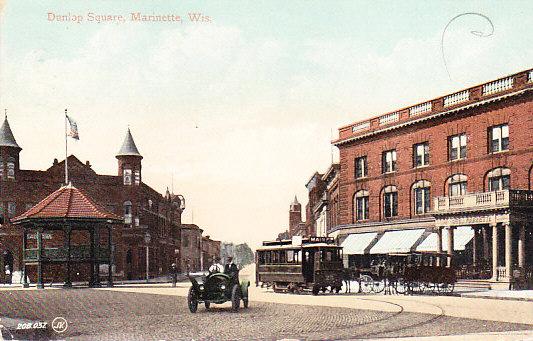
[(127, 176), (127, 212)]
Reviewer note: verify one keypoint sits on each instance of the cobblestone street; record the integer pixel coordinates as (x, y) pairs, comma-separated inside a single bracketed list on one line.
[(111, 315)]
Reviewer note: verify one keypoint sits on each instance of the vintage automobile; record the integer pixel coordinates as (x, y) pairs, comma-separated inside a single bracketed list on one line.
[(217, 288), (311, 263)]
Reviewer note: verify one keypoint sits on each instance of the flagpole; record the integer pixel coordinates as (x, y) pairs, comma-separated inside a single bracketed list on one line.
[(66, 150)]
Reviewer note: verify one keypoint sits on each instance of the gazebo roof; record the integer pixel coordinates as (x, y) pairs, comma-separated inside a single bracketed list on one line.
[(68, 202)]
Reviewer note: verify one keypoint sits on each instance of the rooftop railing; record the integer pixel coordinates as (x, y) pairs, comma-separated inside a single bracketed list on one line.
[(464, 97)]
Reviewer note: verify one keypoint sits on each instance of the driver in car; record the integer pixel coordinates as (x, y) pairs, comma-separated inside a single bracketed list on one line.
[(231, 270)]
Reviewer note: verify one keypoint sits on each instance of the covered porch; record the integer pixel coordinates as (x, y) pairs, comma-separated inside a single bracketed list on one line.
[(501, 233)]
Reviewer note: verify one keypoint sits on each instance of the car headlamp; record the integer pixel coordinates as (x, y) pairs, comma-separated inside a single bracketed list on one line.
[(222, 287), (201, 287)]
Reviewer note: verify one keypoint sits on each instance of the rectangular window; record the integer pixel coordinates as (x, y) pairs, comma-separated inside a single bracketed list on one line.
[(422, 200), (137, 177), (499, 138), (1, 169), (361, 168), (390, 202), (499, 183), (457, 147), (362, 208), (421, 154), (457, 189), (127, 176), (388, 161), (11, 209)]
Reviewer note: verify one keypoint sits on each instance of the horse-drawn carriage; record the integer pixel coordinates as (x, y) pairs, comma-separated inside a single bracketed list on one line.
[(411, 273), (313, 263)]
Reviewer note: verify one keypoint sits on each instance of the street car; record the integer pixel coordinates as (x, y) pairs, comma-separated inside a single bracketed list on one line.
[(217, 288)]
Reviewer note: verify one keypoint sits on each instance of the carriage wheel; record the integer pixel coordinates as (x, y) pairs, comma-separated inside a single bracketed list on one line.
[(446, 288), (378, 286), (367, 283), (400, 286), (415, 288)]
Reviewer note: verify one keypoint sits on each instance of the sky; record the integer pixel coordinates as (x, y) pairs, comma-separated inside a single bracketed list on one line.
[(237, 112)]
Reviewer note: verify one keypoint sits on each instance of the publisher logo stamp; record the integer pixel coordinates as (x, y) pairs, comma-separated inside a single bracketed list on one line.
[(59, 325)]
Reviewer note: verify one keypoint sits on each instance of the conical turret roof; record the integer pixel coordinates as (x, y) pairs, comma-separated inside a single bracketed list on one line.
[(128, 146), (6, 136)]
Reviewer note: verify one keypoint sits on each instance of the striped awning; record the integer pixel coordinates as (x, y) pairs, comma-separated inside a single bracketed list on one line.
[(462, 235), (397, 241), (357, 243)]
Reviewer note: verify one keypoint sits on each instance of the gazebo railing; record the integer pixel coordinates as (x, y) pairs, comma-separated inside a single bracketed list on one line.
[(77, 252)]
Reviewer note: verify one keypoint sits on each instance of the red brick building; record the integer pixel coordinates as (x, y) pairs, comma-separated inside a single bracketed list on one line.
[(152, 221), (210, 250), (458, 166)]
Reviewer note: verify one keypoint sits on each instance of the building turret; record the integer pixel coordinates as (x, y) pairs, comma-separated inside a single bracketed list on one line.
[(295, 216), (9, 153), (129, 161)]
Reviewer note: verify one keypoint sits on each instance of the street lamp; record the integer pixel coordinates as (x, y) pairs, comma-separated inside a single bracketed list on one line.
[(147, 239)]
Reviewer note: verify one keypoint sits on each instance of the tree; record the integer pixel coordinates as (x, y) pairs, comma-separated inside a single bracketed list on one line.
[(242, 254)]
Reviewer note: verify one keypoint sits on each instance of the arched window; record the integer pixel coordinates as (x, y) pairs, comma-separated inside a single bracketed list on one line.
[(457, 185), (127, 176), (11, 168), (361, 205), (422, 196), (499, 179), (127, 212), (390, 201)]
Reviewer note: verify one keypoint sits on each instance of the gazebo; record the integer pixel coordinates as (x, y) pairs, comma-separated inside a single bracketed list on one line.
[(63, 213)]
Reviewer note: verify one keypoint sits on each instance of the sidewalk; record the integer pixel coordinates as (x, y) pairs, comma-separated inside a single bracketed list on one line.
[(516, 295)]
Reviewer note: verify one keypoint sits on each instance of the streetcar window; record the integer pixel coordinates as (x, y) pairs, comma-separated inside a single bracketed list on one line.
[(290, 256)]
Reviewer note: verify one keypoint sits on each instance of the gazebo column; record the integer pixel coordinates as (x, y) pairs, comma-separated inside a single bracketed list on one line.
[(24, 269), (494, 251), (40, 284), (439, 245), (508, 250), (522, 245), (110, 260), (450, 245), (96, 251), (68, 282)]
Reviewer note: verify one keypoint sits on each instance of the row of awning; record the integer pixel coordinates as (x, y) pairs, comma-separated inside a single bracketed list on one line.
[(402, 241)]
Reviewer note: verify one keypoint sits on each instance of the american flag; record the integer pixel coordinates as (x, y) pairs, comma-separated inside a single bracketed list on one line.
[(73, 129)]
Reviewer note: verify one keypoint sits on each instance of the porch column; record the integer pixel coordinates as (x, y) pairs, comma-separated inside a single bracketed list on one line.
[(68, 281), (508, 250), (485, 235), (439, 245), (474, 246), (40, 284), (450, 245), (522, 246), (494, 251)]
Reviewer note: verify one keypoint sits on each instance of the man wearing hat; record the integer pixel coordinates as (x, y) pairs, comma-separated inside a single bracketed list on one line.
[(174, 274), (231, 269)]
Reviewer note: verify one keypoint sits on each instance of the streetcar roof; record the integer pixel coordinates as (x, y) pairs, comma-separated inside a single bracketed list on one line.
[(296, 247)]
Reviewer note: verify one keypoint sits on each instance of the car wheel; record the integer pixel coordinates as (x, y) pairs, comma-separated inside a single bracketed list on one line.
[(207, 305), (192, 300), (235, 297)]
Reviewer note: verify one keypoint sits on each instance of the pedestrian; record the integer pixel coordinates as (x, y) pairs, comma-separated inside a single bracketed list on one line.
[(8, 274), (174, 274)]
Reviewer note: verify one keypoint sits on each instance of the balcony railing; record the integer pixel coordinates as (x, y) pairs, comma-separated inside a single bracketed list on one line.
[(484, 200), (478, 93)]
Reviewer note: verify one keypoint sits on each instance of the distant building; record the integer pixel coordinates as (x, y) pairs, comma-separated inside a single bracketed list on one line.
[(210, 250), (145, 211)]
